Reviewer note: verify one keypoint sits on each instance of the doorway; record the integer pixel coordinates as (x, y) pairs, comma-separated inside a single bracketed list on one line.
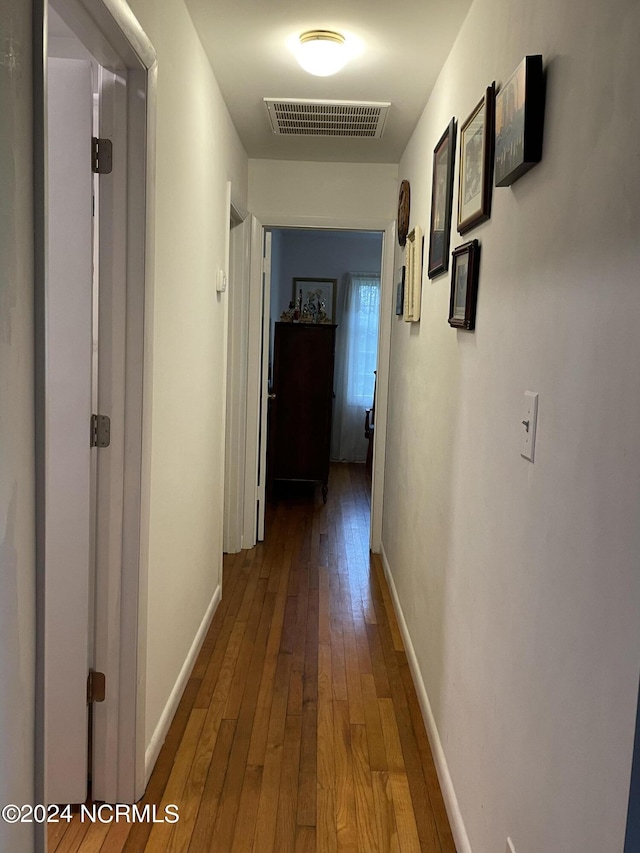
[(91, 359), (346, 266), (258, 281)]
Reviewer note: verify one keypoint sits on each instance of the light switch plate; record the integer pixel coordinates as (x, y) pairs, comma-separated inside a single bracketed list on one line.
[(528, 425), (221, 281)]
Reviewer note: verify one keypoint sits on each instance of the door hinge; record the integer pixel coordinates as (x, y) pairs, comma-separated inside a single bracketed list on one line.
[(96, 687), (101, 156), (100, 431)]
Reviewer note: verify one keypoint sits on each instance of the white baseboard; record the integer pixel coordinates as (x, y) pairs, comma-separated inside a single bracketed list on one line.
[(160, 733), (458, 829)]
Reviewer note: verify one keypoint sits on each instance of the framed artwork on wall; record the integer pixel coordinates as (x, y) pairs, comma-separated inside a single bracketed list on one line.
[(441, 201), (464, 285), (476, 164), (519, 122), (400, 290), (413, 283), (315, 297)]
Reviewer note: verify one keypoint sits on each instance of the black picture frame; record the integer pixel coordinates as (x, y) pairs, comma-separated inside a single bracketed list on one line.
[(465, 265), (519, 122), (441, 201), (475, 181), (400, 291)]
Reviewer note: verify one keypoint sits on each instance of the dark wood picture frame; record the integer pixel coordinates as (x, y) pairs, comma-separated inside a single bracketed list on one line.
[(475, 180), (442, 201), (519, 122), (465, 265)]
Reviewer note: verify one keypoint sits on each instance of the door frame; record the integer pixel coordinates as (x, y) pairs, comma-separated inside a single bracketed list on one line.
[(388, 230), (112, 34)]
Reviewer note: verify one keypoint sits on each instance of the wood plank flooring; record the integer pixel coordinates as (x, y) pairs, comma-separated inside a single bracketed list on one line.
[(299, 730)]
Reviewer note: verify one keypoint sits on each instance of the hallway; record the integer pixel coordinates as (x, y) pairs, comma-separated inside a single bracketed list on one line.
[(299, 729)]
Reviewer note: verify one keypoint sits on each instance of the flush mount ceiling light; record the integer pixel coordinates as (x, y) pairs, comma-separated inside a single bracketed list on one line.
[(322, 52)]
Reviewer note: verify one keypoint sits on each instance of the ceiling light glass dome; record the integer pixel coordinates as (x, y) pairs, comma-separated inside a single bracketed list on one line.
[(322, 52)]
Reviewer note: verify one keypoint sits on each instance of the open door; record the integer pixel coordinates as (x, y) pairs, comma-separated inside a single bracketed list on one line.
[(257, 382), (264, 384), (257, 385), (91, 568), (67, 423)]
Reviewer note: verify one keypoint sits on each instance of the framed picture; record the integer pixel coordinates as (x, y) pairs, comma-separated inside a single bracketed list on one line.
[(464, 285), (413, 284), (519, 122), (400, 290), (441, 201), (316, 299), (476, 164)]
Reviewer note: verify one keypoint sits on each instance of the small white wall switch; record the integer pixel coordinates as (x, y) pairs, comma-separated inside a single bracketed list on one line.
[(528, 425), (510, 847), (221, 281)]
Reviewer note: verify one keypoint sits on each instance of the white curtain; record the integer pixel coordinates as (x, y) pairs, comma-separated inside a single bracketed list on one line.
[(356, 359)]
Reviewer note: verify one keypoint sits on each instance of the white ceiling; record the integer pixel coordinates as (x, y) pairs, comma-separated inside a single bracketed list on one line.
[(405, 45)]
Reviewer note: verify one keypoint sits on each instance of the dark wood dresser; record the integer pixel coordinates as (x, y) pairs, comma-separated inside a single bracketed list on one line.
[(300, 414)]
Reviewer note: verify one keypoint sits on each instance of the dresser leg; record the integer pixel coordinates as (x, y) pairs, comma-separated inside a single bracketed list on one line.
[(325, 492)]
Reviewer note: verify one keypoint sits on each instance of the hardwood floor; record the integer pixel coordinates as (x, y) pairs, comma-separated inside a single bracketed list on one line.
[(299, 730)]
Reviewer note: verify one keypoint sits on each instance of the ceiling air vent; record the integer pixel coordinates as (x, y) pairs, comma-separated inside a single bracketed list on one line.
[(362, 120)]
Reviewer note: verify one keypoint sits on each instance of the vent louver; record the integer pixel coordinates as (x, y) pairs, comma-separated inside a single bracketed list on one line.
[(362, 120)]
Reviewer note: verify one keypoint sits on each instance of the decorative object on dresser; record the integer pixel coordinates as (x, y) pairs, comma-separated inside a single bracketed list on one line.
[(413, 283), (519, 121), (476, 164), (464, 286), (301, 403), (441, 201)]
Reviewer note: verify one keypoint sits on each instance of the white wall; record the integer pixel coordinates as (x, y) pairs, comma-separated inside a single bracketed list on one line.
[(17, 521), (519, 582), (197, 152), (286, 192)]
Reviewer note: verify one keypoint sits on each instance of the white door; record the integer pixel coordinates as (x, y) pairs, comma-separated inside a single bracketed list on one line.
[(264, 383), (110, 635), (257, 391), (68, 414)]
